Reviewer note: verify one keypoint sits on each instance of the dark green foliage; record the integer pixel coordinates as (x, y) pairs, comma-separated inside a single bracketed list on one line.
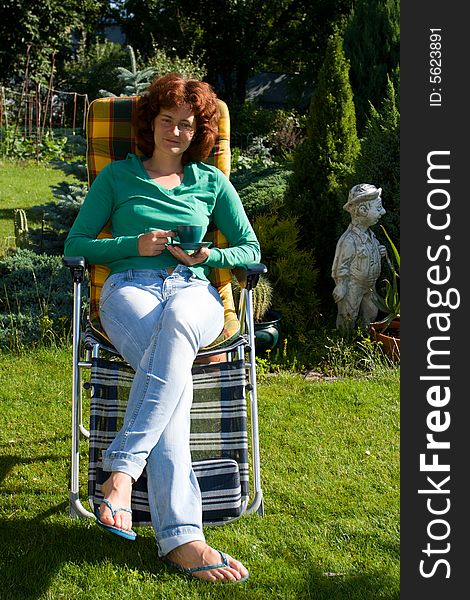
[(250, 117), (372, 44), (288, 134), (291, 271), (94, 68), (76, 144), (379, 160), (388, 298), (261, 190), (323, 163), (70, 197), (45, 27), (35, 299)]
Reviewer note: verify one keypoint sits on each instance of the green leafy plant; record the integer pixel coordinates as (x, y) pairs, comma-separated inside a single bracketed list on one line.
[(389, 301), (14, 145)]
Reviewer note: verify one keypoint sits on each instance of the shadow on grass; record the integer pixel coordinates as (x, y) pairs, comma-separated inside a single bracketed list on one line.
[(8, 462), (32, 551), (7, 214)]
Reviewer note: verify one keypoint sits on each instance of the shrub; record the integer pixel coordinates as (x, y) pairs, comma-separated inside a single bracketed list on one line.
[(132, 81), (287, 134), (76, 168), (163, 63), (379, 159), (282, 129), (261, 190), (372, 44), (292, 272), (250, 119), (35, 300), (256, 156), (291, 269)]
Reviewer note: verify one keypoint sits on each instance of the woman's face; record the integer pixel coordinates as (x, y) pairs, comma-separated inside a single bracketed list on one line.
[(174, 129)]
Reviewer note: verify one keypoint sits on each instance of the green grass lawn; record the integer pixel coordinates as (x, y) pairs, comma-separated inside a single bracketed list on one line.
[(330, 476), (23, 185)]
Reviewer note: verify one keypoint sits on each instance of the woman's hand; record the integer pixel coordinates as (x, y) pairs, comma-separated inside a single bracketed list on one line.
[(188, 259), (154, 242)]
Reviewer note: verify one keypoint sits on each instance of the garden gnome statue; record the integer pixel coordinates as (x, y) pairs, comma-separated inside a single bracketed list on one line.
[(357, 262)]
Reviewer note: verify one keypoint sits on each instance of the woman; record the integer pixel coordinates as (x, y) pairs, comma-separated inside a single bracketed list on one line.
[(158, 308)]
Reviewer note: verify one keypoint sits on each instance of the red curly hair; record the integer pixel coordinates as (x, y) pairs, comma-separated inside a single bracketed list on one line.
[(171, 91)]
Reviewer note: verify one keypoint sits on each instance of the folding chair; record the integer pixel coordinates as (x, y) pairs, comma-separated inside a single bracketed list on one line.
[(224, 430)]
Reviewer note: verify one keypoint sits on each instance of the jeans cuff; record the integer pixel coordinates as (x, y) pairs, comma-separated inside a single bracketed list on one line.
[(177, 537), (124, 463)]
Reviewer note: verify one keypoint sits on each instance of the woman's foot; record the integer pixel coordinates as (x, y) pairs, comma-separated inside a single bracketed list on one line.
[(198, 554), (117, 489)]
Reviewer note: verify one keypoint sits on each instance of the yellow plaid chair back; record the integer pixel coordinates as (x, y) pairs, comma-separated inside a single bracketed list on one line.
[(111, 136)]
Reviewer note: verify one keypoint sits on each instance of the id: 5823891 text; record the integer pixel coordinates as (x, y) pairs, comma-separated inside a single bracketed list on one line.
[(435, 67)]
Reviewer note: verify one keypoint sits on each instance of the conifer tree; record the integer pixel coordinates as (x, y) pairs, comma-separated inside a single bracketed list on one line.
[(379, 159), (372, 44), (134, 80), (324, 161)]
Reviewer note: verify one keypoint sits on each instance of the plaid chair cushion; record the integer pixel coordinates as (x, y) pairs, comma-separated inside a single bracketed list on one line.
[(219, 443), (110, 136)]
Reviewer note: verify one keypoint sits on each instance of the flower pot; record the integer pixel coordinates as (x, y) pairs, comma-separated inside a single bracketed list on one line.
[(389, 339), (267, 331)]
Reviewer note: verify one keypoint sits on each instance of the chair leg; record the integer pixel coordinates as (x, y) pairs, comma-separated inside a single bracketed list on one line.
[(75, 507), (258, 496)]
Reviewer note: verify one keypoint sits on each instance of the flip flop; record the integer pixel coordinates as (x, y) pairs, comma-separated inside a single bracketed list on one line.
[(128, 534), (193, 570)]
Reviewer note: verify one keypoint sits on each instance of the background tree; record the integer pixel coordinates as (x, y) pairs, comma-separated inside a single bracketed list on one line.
[(93, 68), (298, 45), (229, 36), (372, 44), (379, 159), (47, 27), (323, 162), (236, 38)]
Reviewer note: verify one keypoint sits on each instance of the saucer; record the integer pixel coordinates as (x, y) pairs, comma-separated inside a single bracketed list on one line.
[(192, 246)]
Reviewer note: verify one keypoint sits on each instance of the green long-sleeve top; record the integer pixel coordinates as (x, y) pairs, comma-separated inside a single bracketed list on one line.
[(124, 194)]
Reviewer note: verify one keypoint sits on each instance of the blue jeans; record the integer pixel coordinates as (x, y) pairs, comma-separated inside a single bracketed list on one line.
[(158, 322)]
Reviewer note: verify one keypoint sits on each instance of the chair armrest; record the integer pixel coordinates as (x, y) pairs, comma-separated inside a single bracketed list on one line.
[(248, 276), (77, 266)]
